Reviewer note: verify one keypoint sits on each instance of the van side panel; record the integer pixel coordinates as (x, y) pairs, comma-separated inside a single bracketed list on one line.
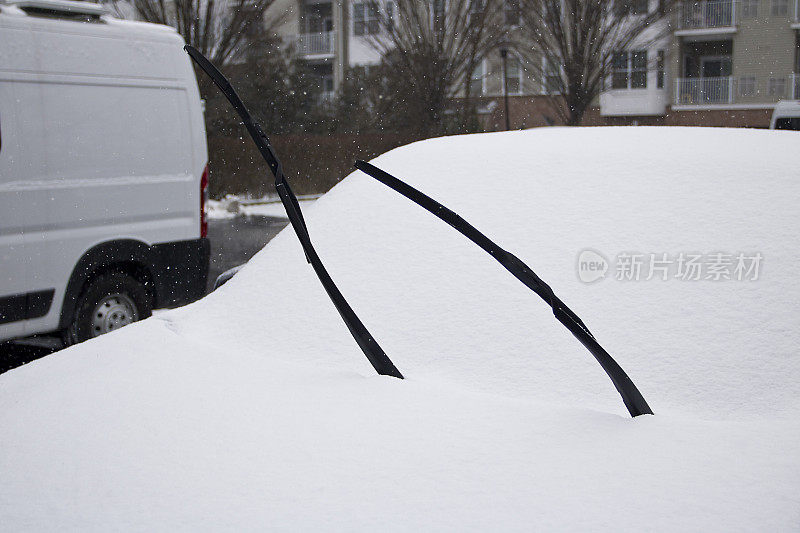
[(16, 51), (109, 148)]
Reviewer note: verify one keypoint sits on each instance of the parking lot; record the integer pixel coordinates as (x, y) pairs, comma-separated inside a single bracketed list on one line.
[(233, 242)]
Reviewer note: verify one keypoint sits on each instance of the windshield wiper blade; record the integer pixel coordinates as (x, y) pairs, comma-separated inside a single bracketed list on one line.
[(375, 354), (631, 396)]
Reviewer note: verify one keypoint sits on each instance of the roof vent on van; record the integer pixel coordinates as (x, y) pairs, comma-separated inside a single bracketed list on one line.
[(62, 9)]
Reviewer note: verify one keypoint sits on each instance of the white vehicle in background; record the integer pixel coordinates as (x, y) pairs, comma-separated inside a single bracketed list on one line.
[(786, 116), (103, 171)]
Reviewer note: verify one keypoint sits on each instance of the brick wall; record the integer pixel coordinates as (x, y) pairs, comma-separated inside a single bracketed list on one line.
[(536, 111)]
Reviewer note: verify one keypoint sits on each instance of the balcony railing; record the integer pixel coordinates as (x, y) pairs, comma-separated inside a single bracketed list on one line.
[(706, 14), (314, 44), (701, 91), (794, 86)]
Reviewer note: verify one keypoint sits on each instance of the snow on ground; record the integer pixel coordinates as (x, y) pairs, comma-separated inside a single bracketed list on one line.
[(217, 209), (232, 206), (270, 209), (255, 409)]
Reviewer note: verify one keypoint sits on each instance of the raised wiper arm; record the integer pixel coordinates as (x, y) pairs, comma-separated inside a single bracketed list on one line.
[(633, 399), (375, 354)]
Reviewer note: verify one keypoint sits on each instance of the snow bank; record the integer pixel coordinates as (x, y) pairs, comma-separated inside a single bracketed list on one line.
[(254, 408), (219, 209), (232, 206), (270, 209)]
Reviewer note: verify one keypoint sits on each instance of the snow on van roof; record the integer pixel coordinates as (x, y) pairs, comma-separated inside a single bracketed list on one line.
[(254, 407), (68, 6), (141, 26), (88, 8)]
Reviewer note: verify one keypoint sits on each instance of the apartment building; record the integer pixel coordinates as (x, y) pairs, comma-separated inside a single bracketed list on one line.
[(713, 62), (729, 63), (740, 56), (329, 35)]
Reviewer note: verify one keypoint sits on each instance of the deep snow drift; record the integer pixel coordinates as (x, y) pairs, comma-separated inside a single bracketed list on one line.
[(254, 407)]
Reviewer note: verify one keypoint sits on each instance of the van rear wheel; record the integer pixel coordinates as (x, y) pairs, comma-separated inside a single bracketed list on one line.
[(110, 302)]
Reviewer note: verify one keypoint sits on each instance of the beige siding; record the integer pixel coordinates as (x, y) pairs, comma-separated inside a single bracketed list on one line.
[(764, 48)]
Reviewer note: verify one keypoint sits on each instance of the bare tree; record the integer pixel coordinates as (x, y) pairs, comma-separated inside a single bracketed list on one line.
[(221, 29), (572, 44), (433, 46)]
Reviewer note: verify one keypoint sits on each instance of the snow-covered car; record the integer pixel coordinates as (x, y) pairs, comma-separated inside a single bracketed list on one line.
[(254, 408)]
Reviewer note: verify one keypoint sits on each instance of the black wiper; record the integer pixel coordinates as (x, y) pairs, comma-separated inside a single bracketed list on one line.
[(633, 399), (380, 361)]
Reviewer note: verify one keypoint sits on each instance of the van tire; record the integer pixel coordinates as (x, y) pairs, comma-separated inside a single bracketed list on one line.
[(111, 300)]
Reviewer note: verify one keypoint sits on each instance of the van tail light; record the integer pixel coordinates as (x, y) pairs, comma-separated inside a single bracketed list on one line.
[(203, 200)]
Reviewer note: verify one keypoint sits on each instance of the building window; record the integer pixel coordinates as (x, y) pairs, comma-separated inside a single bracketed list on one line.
[(513, 78), (747, 86), (619, 71), (639, 69), (512, 12), (551, 77), (365, 19), (629, 70), (750, 8), (780, 8), (660, 70), (476, 80), (776, 87)]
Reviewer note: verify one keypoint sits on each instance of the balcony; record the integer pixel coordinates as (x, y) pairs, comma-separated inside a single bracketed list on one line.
[(704, 91), (706, 17), (315, 45)]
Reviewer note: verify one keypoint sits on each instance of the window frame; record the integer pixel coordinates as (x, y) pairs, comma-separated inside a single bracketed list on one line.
[(549, 71), (482, 78), (369, 21), (629, 71), (519, 77), (620, 70), (638, 70)]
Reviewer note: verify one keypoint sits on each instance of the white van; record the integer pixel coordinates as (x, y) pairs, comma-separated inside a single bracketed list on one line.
[(786, 115), (103, 171)]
